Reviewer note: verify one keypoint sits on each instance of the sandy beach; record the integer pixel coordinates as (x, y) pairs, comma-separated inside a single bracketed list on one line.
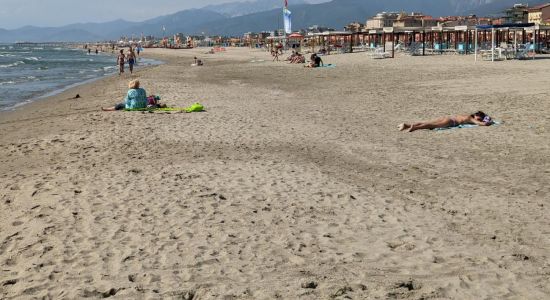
[(294, 184)]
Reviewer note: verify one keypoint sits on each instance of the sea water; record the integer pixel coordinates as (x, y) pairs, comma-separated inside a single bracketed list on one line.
[(28, 73)]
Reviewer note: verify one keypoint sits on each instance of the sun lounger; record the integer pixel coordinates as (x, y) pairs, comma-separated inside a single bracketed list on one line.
[(414, 49), (499, 54), (526, 52), (379, 53)]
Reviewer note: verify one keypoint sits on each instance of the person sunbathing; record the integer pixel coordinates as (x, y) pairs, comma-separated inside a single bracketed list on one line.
[(478, 118), (135, 98)]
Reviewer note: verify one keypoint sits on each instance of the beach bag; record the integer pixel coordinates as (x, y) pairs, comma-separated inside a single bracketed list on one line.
[(152, 100), (196, 107)]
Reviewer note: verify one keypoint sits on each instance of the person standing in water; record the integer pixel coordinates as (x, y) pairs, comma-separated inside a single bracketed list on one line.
[(131, 60), (120, 61)]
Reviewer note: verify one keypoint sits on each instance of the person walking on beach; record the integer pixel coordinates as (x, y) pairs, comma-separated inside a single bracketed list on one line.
[(131, 60), (275, 54), (121, 59), (477, 118)]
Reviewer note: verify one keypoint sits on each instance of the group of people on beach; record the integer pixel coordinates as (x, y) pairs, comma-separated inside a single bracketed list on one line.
[(129, 58), (296, 58), (136, 97)]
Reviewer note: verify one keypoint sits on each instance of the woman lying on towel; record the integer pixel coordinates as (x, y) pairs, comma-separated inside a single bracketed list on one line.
[(136, 98), (478, 118)]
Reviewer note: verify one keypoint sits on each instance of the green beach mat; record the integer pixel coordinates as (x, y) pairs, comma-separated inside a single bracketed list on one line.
[(196, 107)]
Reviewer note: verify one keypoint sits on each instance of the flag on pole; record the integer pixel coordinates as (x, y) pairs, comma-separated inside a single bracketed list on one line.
[(287, 20)]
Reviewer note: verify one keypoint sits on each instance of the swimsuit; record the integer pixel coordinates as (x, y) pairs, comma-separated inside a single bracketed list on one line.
[(454, 123)]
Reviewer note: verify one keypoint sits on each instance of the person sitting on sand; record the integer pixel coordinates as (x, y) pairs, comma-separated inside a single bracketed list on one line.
[(198, 62), (478, 118), (316, 61), (291, 57), (136, 98), (298, 59)]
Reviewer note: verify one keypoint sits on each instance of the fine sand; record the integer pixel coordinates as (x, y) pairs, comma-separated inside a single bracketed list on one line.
[(294, 184)]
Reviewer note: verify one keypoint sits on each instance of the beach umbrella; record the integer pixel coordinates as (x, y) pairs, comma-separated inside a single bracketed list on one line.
[(296, 36)]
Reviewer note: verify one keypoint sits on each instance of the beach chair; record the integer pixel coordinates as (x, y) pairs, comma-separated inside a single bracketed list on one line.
[(488, 54), (399, 47), (414, 49), (461, 48), (379, 53), (526, 52)]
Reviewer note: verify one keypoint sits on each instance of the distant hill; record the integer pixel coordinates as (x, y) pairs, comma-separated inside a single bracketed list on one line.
[(334, 14), (47, 34), (103, 29), (186, 21), (239, 17), (237, 9)]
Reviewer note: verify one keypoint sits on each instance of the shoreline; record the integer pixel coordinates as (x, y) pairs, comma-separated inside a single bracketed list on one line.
[(24, 102), (295, 183)]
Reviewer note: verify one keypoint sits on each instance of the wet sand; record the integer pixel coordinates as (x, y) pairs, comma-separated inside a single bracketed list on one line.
[(294, 184)]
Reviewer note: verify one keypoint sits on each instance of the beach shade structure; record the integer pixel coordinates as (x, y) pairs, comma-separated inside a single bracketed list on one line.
[(496, 31), (295, 40), (332, 39)]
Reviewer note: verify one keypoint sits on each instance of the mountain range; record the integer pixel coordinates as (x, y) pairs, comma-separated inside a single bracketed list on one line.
[(255, 15), (237, 9)]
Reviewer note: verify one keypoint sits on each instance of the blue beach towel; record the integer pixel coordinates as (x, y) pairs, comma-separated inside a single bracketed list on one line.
[(495, 123), (327, 66)]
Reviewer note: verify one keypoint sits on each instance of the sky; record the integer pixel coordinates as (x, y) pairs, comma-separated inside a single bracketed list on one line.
[(18, 13)]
